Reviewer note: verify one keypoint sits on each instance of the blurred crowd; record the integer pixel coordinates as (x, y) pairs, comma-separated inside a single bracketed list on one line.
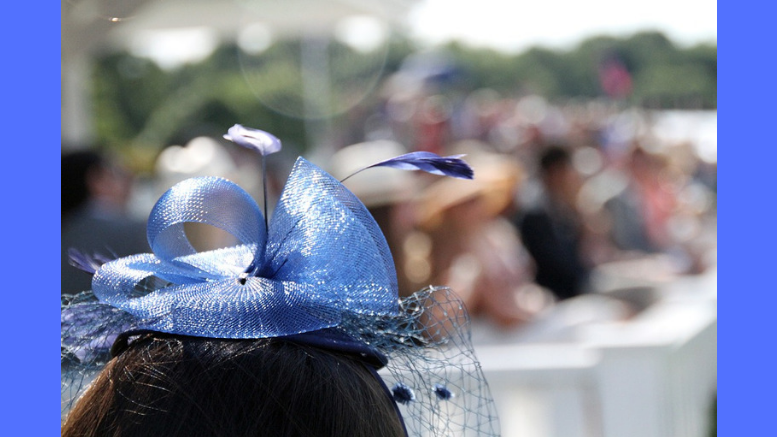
[(569, 199), (562, 194)]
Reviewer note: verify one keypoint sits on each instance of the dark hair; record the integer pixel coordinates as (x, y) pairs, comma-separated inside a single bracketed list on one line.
[(166, 385), (75, 169), (554, 157)]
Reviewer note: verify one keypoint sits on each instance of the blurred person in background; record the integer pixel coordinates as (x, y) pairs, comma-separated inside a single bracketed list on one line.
[(639, 214), (474, 249), (661, 209), (433, 124), (552, 229), (386, 193), (95, 220)]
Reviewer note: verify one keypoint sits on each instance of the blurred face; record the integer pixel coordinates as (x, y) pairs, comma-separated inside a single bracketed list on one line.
[(110, 184), (564, 182), (469, 214), (640, 166)]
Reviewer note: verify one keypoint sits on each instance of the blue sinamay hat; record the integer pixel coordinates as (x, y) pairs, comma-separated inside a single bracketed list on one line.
[(320, 272)]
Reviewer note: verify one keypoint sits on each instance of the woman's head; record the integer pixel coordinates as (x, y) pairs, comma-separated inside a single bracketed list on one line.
[(321, 263), (189, 386)]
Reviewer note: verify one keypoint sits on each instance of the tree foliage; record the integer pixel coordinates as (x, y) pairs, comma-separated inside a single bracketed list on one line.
[(662, 74), (136, 103)]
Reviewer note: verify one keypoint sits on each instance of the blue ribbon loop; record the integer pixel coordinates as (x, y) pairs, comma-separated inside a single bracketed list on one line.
[(323, 258)]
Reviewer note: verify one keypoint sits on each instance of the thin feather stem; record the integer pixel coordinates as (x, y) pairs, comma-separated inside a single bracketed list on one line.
[(264, 190)]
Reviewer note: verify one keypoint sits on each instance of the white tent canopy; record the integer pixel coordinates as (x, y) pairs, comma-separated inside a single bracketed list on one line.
[(175, 31)]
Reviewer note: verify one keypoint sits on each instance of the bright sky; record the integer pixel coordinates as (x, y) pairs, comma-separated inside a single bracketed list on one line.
[(514, 25), (510, 25)]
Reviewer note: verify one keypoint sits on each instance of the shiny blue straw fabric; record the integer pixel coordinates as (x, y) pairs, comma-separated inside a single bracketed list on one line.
[(324, 258), (324, 263)]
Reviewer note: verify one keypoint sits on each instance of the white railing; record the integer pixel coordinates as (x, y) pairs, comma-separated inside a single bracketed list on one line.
[(654, 375)]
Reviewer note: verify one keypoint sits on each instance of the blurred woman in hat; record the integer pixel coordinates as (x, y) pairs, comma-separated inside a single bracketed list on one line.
[(475, 249)]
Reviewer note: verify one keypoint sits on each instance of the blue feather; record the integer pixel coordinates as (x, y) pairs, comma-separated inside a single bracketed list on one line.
[(429, 162)]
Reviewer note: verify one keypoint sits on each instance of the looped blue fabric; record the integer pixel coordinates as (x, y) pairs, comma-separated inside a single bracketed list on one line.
[(323, 258)]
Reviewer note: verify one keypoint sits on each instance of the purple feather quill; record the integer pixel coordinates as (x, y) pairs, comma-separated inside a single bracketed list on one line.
[(87, 263), (260, 141), (429, 162), (254, 139)]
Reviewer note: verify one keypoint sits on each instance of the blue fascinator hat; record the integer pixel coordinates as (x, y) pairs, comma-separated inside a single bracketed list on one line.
[(318, 272)]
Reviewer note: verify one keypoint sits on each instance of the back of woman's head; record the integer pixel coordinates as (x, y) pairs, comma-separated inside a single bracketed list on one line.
[(187, 386), (319, 273)]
